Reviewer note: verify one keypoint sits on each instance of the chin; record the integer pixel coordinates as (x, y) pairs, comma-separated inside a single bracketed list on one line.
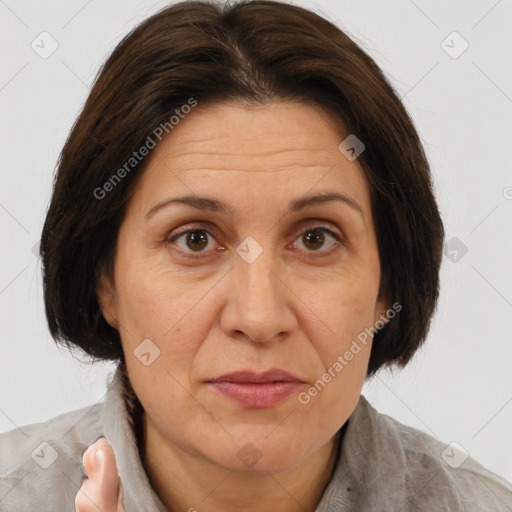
[(257, 462), (260, 455)]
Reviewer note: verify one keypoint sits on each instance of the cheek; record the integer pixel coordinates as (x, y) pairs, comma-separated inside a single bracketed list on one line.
[(156, 305), (344, 306), (163, 315), (344, 356)]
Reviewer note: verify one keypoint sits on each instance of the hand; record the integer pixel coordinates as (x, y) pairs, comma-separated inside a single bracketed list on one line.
[(102, 490)]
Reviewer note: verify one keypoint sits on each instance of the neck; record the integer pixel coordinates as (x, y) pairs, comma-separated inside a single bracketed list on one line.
[(188, 482)]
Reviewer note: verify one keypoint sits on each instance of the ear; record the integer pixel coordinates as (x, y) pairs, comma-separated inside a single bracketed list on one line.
[(106, 299)]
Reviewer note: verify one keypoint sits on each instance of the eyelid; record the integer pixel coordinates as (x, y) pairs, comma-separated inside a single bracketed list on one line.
[(191, 226), (319, 224), (306, 224)]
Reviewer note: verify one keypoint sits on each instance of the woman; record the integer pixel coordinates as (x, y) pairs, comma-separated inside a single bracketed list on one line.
[(243, 218)]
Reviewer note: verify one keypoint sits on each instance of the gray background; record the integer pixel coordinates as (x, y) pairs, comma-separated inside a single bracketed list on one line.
[(459, 387)]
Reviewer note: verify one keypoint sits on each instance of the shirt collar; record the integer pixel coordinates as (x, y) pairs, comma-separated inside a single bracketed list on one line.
[(119, 431), (366, 471)]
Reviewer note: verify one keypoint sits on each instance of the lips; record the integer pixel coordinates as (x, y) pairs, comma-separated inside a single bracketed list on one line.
[(249, 377), (256, 390)]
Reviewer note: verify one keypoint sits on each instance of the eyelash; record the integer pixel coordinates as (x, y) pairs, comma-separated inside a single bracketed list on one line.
[(202, 227)]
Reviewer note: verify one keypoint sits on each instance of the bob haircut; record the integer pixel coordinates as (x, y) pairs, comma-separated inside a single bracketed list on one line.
[(253, 52)]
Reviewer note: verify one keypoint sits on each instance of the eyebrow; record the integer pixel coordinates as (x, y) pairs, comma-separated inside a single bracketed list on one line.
[(215, 206)]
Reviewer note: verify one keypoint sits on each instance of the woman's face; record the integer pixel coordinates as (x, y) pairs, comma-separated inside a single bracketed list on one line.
[(252, 279)]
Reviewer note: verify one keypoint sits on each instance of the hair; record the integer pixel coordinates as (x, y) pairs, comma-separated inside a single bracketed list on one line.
[(255, 52)]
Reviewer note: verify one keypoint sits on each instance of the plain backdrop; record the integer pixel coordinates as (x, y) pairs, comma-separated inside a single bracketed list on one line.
[(459, 386)]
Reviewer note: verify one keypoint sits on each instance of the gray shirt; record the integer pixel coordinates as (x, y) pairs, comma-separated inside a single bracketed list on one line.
[(382, 466)]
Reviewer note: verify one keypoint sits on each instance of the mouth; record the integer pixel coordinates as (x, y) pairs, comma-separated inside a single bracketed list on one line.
[(256, 390)]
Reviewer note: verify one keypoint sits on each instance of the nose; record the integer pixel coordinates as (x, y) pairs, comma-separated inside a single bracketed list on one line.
[(259, 306)]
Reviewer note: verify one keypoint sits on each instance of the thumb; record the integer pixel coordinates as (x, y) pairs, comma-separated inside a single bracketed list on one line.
[(102, 486), (108, 477)]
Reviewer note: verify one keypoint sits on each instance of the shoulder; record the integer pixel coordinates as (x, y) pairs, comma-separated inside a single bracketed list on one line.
[(38, 457), (443, 473)]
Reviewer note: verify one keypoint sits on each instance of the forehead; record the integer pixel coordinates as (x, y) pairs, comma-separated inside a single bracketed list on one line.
[(279, 130), (287, 148)]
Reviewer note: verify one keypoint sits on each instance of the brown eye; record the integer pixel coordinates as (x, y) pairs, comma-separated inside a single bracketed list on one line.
[(194, 240), (314, 239), (197, 240)]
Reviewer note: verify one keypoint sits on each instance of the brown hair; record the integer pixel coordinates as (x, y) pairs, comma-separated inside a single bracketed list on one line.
[(253, 51)]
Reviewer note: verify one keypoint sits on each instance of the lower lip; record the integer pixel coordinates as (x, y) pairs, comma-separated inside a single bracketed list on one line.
[(256, 396)]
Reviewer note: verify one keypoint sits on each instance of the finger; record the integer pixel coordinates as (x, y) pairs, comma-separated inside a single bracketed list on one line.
[(87, 499), (120, 505), (100, 490), (109, 479), (87, 496)]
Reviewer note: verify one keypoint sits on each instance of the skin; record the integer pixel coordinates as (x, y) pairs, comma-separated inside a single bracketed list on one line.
[(298, 306), (102, 489)]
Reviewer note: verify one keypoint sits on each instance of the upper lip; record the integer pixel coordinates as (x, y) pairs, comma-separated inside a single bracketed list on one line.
[(247, 376)]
